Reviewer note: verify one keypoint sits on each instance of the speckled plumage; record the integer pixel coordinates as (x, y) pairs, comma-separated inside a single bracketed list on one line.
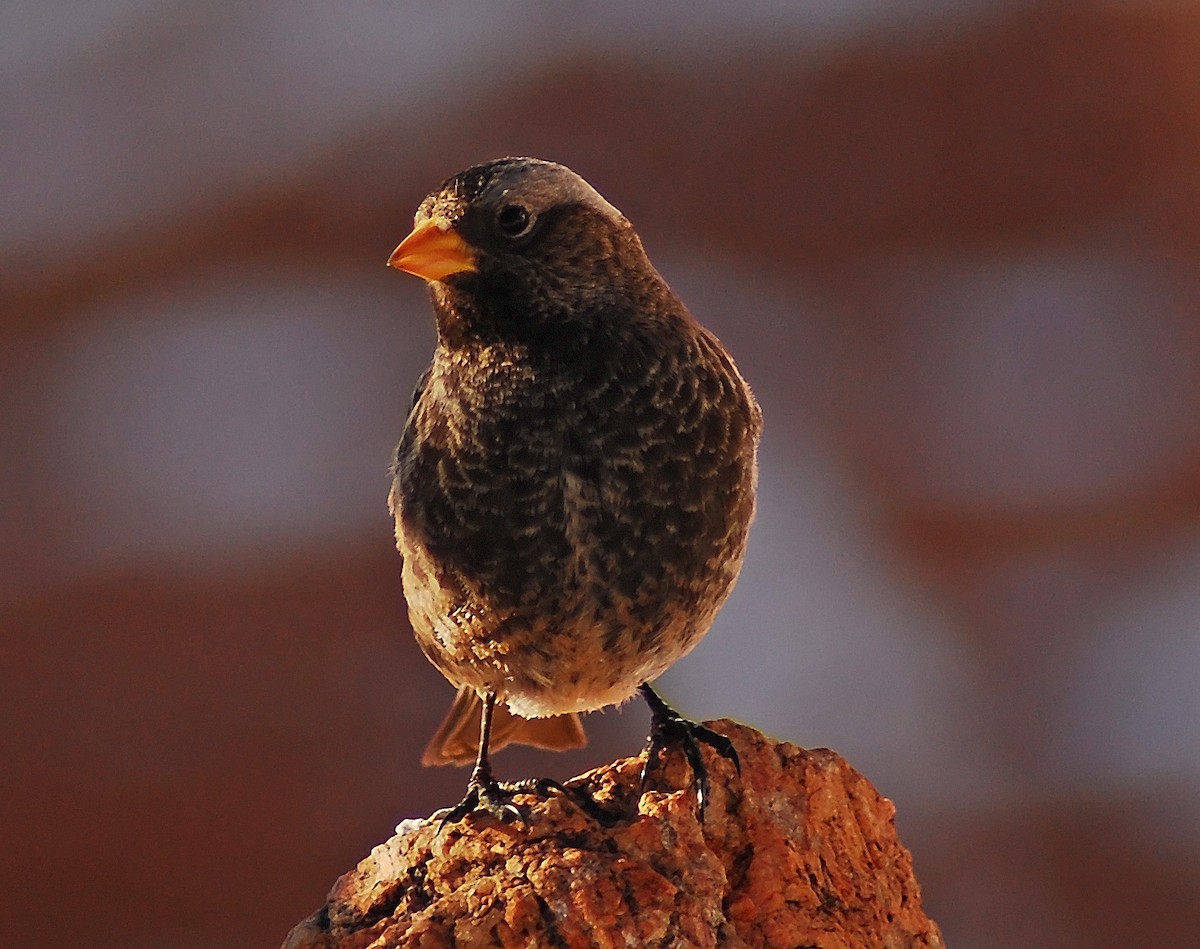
[(576, 478)]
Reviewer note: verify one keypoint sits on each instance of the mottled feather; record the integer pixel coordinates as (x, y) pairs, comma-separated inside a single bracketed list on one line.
[(576, 479)]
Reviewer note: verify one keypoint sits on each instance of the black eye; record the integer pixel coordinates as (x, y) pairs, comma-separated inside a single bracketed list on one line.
[(513, 220)]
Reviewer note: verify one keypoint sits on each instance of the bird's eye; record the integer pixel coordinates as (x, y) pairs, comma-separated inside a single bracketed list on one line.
[(514, 221)]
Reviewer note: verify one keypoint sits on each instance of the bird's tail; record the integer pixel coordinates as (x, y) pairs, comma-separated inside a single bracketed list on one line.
[(457, 740)]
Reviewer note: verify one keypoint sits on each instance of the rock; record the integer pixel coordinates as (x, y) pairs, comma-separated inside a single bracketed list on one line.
[(800, 851)]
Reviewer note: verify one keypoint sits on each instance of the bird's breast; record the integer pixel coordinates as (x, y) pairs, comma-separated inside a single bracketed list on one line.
[(609, 486)]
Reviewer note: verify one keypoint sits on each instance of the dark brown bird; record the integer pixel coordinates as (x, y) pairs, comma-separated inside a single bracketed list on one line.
[(576, 478)]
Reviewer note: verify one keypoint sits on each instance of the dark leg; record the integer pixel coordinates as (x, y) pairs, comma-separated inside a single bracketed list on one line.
[(668, 727), (485, 793)]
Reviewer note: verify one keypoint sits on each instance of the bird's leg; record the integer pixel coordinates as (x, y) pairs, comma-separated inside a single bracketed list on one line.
[(668, 727), (485, 793)]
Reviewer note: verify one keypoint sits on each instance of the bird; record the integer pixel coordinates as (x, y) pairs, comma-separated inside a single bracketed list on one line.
[(575, 482)]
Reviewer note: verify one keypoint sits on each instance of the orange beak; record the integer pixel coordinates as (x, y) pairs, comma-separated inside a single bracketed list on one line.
[(433, 251)]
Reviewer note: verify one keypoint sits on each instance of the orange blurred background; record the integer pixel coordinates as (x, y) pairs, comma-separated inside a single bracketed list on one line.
[(955, 249)]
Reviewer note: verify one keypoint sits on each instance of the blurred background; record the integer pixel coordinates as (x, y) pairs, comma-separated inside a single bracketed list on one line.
[(953, 245)]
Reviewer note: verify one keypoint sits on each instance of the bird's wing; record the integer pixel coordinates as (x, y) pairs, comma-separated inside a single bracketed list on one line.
[(420, 388)]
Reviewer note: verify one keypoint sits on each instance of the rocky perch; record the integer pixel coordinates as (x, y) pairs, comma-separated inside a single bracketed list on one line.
[(800, 851)]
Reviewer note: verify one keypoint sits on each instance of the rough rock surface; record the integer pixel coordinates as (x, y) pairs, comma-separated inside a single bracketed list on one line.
[(800, 851)]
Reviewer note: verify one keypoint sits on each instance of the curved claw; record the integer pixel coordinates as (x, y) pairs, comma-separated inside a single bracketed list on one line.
[(452, 815), (490, 798), (718, 743)]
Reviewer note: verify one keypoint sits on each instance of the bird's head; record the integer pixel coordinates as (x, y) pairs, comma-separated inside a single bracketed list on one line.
[(520, 246)]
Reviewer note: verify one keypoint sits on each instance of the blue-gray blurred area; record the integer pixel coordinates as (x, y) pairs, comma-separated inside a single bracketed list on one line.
[(954, 247)]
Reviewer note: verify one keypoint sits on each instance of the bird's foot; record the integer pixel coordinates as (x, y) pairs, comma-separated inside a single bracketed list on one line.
[(488, 796), (484, 795), (667, 728)]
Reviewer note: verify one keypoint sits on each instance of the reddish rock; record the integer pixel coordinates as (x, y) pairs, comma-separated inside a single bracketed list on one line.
[(800, 850)]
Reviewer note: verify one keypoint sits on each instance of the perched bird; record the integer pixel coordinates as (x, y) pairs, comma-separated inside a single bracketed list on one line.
[(576, 478)]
